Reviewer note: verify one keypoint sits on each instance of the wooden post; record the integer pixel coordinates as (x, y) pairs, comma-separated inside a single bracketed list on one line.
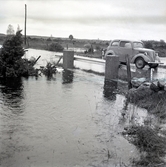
[(128, 72), (25, 23), (36, 60), (59, 60)]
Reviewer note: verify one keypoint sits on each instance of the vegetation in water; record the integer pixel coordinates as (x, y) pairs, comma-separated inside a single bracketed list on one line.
[(49, 70)]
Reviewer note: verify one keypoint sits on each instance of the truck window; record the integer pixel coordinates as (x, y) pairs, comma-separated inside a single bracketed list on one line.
[(125, 44), (115, 43), (138, 45)]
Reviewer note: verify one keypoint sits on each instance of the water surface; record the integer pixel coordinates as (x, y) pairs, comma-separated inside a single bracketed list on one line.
[(72, 119), (64, 121)]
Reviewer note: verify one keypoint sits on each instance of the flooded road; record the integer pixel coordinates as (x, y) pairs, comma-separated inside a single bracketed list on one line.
[(64, 122), (70, 120), (47, 56)]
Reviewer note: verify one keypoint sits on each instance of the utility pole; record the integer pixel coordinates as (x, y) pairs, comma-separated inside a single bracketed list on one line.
[(25, 23)]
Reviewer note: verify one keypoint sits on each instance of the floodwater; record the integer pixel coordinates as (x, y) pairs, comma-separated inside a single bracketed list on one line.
[(47, 56), (70, 120)]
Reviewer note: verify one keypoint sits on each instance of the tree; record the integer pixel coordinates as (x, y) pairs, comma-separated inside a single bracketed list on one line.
[(10, 30), (11, 56), (148, 44), (71, 37), (162, 41)]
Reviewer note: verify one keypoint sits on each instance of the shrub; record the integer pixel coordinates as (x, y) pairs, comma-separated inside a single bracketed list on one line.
[(11, 54), (49, 70), (49, 39), (11, 62), (145, 97), (148, 44), (56, 47)]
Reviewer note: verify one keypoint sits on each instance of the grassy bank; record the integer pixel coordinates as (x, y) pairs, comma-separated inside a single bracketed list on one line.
[(154, 102), (150, 141)]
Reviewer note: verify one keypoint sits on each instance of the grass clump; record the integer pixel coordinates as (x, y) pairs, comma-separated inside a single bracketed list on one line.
[(151, 142), (49, 70), (144, 97)]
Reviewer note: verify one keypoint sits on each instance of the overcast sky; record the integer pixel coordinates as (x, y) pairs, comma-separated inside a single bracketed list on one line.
[(87, 19)]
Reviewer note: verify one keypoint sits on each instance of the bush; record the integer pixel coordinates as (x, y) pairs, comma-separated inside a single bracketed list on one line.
[(11, 62), (145, 97), (49, 39), (11, 54), (55, 47), (148, 44), (134, 95), (49, 70)]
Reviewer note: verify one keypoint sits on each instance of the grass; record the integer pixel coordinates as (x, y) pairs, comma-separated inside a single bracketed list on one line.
[(151, 142), (149, 139), (154, 102)]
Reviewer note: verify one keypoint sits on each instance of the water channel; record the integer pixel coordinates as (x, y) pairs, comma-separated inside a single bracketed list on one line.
[(65, 121)]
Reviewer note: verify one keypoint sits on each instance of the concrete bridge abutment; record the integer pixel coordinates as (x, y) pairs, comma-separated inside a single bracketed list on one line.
[(111, 67)]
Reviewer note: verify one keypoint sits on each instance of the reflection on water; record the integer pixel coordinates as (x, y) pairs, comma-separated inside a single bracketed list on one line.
[(68, 120), (67, 76), (50, 123), (110, 88), (12, 94), (11, 109), (60, 124)]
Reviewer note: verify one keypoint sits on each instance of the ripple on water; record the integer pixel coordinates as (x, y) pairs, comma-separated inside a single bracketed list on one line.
[(52, 123)]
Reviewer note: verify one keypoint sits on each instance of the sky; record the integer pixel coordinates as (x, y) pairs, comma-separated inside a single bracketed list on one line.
[(87, 19)]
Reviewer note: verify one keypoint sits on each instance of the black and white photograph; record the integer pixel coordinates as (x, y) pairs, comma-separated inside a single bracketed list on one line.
[(82, 83)]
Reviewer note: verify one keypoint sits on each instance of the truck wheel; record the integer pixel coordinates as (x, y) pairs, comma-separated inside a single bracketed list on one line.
[(140, 63), (110, 54)]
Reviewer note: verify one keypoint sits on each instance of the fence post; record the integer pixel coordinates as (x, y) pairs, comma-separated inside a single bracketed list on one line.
[(68, 59), (111, 67), (128, 72)]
